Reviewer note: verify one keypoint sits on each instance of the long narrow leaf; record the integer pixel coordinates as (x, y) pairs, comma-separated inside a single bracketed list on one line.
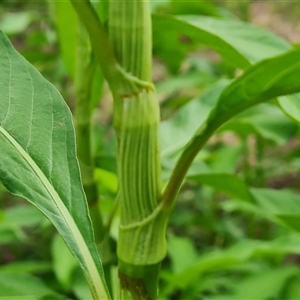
[(240, 43), (264, 81), (38, 160)]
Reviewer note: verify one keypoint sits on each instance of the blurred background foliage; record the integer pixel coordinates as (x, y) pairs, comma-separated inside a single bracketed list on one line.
[(234, 232)]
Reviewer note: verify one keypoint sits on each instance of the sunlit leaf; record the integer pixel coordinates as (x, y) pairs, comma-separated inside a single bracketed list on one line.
[(17, 22), (38, 160), (291, 106)]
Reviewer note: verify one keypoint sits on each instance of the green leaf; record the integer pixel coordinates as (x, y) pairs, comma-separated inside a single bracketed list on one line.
[(66, 23), (178, 246), (27, 266), (293, 289), (266, 80), (217, 163), (232, 257), (107, 181), (265, 285), (203, 7), (265, 120), (175, 132), (38, 160), (14, 23), (256, 85), (291, 106), (71, 44), (280, 206), (284, 205), (79, 286), (64, 264), (14, 218), (229, 183), (15, 286), (237, 42)]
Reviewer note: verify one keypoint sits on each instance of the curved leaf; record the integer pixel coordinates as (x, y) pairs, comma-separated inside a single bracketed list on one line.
[(264, 81), (266, 120), (291, 106), (38, 160), (240, 43), (20, 286), (176, 131), (279, 206)]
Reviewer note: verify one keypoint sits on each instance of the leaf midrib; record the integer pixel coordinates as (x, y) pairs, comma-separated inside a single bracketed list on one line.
[(86, 256)]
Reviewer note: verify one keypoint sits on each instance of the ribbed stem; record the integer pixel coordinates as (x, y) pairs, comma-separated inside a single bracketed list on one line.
[(141, 242), (138, 151), (125, 60), (141, 238), (130, 36)]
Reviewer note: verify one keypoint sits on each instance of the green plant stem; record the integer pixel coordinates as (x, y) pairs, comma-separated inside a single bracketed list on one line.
[(98, 38), (85, 70), (141, 281), (141, 243), (143, 221), (125, 60), (119, 81)]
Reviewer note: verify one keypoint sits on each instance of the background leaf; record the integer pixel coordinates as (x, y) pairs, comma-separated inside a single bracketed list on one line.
[(256, 85), (15, 286), (66, 23), (239, 43), (291, 106)]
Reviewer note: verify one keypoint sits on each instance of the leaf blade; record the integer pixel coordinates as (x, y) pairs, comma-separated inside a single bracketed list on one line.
[(38, 159), (258, 84), (240, 43)]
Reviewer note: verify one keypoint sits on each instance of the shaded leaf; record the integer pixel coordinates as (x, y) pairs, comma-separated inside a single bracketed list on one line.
[(265, 120), (64, 264), (237, 42), (176, 131), (66, 22), (228, 183), (17, 286), (27, 266), (265, 285), (177, 246)]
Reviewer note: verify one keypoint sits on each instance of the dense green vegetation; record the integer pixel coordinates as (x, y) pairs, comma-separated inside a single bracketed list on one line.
[(229, 153)]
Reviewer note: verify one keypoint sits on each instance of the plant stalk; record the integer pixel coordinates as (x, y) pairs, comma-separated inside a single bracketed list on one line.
[(85, 71), (126, 62), (141, 243)]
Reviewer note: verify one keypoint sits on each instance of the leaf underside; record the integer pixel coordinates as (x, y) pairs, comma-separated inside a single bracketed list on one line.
[(38, 160)]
